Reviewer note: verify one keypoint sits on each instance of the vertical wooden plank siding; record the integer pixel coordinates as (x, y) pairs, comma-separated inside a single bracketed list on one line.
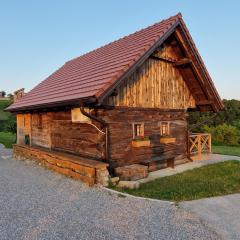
[(156, 84), (23, 127)]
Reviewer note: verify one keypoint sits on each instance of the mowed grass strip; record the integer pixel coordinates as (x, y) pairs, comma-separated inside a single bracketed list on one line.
[(208, 181), (227, 150), (7, 139)]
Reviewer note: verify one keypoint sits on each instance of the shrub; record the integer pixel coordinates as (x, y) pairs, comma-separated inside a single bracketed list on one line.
[(224, 134), (11, 126), (237, 124), (3, 125)]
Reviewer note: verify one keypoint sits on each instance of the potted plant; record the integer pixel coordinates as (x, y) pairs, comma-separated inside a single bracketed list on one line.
[(141, 142), (165, 139)]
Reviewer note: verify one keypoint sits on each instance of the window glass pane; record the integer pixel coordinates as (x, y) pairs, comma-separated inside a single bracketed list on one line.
[(138, 129), (164, 129)]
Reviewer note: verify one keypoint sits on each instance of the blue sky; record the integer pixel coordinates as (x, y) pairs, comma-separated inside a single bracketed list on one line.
[(37, 37)]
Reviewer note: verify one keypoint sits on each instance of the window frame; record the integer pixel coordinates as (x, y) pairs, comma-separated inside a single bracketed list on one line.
[(168, 128), (134, 132)]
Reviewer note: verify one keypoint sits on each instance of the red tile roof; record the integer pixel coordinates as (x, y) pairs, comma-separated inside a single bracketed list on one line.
[(91, 74)]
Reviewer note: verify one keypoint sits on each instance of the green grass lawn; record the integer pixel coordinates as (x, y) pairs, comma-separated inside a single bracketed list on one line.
[(226, 150), (208, 181), (7, 139)]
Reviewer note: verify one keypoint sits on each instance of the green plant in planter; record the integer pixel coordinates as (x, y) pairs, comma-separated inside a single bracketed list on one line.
[(139, 139), (166, 136)]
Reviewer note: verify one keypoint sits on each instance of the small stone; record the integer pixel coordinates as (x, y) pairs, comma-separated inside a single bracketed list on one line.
[(102, 177), (6, 157), (114, 179), (129, 184)]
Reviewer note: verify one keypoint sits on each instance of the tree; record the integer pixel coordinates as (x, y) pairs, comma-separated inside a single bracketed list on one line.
[(10, 96), (224, 126), (3, 93), (230, 115)]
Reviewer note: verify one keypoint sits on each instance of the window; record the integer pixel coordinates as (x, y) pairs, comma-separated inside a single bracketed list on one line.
[(164, 128), (138, 130)]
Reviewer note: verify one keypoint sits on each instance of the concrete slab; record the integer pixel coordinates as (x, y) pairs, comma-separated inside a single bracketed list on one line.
[(221, 213), (206, 160)]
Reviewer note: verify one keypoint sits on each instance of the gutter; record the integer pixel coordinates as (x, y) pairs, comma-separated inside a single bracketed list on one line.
[(105, 125)]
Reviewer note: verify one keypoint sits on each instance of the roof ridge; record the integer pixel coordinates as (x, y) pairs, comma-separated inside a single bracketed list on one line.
[(178, 16)]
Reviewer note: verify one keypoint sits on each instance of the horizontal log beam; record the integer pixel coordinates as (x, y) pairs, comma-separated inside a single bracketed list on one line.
[(169, 60), (204, 102), (182, 62), (179, 63)]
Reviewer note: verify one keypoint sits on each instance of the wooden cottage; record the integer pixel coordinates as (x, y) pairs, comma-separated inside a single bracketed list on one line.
[(124, 104)]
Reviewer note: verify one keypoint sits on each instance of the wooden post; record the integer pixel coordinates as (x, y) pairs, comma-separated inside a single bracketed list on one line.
[(188, 145), (199, 146), (30, 130), (210, 143)]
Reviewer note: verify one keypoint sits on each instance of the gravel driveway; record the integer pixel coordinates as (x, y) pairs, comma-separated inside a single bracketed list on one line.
[(36, 203)]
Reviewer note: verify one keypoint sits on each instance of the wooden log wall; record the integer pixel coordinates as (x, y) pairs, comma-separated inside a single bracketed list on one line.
[(156, 84), (120, 127), (78, 138), (55, 130)]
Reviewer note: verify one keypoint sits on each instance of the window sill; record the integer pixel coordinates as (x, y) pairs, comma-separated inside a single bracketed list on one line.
[(166, 140), (143, 143)]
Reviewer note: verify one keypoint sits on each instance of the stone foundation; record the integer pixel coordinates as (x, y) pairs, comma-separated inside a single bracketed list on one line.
[(89, 171)]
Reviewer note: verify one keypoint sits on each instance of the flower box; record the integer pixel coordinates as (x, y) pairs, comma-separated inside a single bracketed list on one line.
[(166, 140), (141, 143)]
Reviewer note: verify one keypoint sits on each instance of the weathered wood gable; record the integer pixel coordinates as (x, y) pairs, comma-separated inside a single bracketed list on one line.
[(156, 84)]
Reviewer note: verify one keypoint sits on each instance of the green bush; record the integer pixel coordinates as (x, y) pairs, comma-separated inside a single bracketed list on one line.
[(3, 125), (12, 126), (237, 124), (7, 120), (224, 134)]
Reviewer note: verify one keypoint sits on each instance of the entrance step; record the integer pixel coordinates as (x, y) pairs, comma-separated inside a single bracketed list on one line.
[(131, 172), (158, 163)]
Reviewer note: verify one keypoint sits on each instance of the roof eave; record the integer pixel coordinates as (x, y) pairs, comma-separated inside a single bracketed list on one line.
[(48, 106), (217, 104)]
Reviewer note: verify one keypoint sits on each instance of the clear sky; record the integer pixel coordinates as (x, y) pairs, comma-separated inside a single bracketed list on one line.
[(37, 37)]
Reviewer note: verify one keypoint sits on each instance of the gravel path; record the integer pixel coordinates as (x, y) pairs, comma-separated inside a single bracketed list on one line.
[(36, 203)]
